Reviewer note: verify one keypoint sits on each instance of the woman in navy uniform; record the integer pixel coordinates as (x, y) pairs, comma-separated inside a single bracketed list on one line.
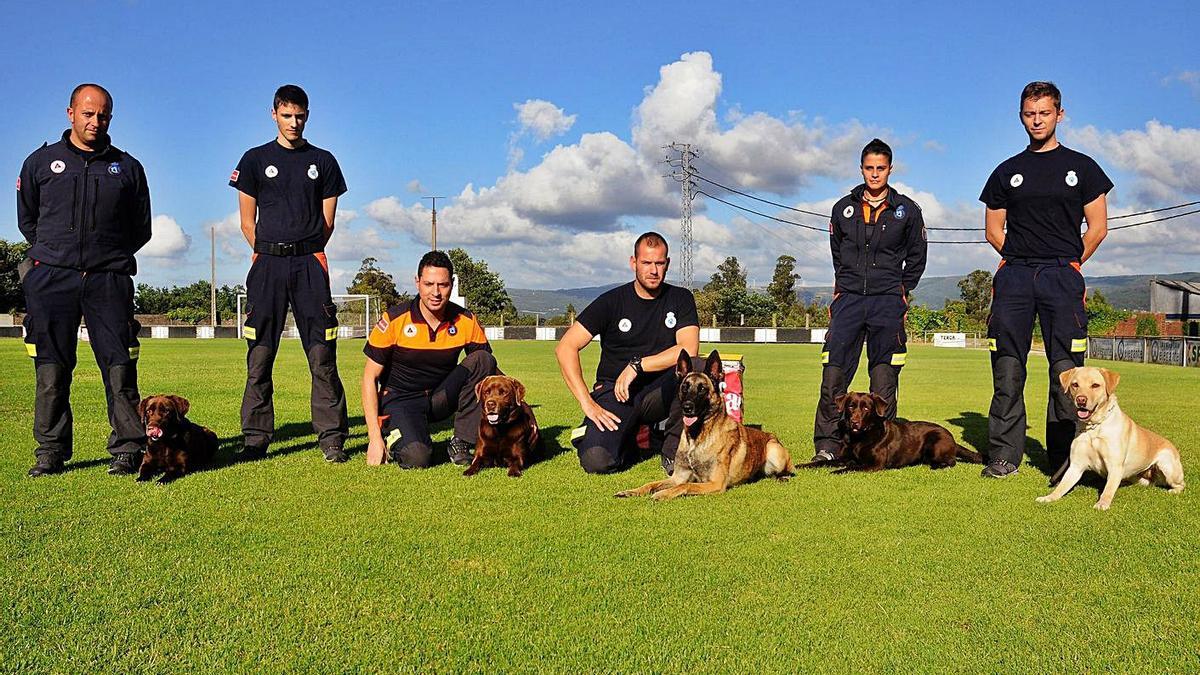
[(877, 237)]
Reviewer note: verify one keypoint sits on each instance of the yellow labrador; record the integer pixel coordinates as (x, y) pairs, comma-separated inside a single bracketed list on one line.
[(1111, 444)]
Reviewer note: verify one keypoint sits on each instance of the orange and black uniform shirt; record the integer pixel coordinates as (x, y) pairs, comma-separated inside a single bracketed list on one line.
[(417, 357)]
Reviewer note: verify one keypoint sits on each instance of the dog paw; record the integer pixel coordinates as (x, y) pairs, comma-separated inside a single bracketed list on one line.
[(662, 496), (626, 493), (1046, 499), (1176, 490), (1102, 505)]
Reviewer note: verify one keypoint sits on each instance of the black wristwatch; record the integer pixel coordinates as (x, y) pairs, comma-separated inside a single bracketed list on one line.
[(636, 363)]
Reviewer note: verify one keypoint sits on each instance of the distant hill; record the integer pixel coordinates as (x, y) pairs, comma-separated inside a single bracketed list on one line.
[(1124, 292), (1130, 291), (555, 302)]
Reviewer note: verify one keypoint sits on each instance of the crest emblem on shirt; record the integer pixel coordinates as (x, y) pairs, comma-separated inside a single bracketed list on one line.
[(1016, 180), (115, 168), (670, 320), (410, 330), (1072, 179), (625, 325), (312, 171), (57, 166), (453, 330), (271, 171), (233, 176), (900, 212), (848, 212)]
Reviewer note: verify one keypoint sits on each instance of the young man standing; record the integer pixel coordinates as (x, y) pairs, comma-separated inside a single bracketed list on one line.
[(413, 375), (84, 206), (1035, 202), (642, 326), (287, 197), (877, 237)]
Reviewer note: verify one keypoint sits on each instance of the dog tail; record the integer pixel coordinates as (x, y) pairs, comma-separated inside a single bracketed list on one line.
[(967, 455)]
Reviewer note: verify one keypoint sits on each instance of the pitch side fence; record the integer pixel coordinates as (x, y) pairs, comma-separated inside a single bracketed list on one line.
[(1172, 351)]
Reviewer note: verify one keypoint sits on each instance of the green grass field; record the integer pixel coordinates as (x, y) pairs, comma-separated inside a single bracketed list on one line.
[(294, 564)]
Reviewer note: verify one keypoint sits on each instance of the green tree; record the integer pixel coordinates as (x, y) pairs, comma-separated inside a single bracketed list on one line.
[(482, 288), (370, 280), (975, 290), (12, 299), (782, 288), (1102, 316)]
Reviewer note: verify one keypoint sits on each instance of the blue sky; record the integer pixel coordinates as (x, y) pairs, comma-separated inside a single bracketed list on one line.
[(542, 119)]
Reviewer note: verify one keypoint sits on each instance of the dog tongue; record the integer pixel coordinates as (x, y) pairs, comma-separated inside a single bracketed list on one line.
[(154, 432), (688, 421), (493, 418), (1083, 413)]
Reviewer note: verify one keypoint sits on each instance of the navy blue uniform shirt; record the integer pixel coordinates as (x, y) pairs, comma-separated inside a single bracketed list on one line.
[(1044, 194), (877, 251), (85, 210), (289, 185), (629, 325)]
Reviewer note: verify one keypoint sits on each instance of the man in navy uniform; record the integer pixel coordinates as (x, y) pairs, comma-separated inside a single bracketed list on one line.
[(877, 237), (642, 327), (1035, 203), (287, 197), (84, 206)]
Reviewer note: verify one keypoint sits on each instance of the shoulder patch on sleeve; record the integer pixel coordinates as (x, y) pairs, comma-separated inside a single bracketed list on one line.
[(382, 326)]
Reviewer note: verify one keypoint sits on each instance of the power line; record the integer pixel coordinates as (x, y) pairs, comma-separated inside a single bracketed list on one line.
[(1165, 208), (760, 213), (760, 199), (1157, 220)]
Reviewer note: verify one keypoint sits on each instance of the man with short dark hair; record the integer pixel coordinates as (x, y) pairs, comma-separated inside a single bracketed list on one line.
[(1035, 203), (413, 375), (877, 237), (642, 325), (84, 206), (287, 197)]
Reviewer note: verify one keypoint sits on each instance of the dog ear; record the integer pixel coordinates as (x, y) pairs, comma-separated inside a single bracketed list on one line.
[(881, 404), (518, 388), (683, 365), (713, 366), (479, 388), (1111, 378), (840, 402), (1064, 378), (142, 408), (182, 405)]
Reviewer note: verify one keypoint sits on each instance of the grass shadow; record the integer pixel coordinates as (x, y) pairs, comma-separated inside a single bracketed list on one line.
[(551, 448), (974, 430), (228, 446), (85, 464)]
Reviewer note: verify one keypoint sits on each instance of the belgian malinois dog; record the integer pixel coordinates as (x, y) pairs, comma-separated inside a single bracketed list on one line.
[(715, 452)]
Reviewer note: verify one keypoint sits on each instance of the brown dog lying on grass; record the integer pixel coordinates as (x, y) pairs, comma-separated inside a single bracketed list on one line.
[(508, 431), (174, 444), (1108, 442), (715, 452), (873, 442)]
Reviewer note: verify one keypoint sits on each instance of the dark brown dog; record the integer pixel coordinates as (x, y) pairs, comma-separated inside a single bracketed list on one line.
[(873, 442), (508, 431), (174, 444)]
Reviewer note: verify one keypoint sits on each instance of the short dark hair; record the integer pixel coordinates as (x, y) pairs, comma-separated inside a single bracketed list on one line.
[(1036, 90), (435, 259), (77, 90), (290, 93), (651, 239), (876, 147)]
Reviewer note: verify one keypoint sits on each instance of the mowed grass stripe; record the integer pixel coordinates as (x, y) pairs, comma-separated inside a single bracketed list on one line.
[(294, 564)]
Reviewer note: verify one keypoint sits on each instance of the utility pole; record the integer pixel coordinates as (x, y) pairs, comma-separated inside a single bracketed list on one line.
[(433, 238), (680, 160), (212, 279)]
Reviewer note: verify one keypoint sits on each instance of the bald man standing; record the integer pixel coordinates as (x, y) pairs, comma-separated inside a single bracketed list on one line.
[(84, 206)]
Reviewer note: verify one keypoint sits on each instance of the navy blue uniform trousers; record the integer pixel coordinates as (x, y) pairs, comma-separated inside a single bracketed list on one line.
[(1050, 290), (877, 320), (274, 284), (56, 299)]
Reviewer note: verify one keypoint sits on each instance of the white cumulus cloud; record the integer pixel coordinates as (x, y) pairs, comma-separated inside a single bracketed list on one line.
[(1162, 157), (542, 119), (167, 238)]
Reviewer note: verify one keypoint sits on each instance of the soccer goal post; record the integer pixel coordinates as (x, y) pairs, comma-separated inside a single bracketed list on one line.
[(354, 315)]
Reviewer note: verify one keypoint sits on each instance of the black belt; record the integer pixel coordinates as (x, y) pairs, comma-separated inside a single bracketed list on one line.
[(1051, 262), (287, 249)]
